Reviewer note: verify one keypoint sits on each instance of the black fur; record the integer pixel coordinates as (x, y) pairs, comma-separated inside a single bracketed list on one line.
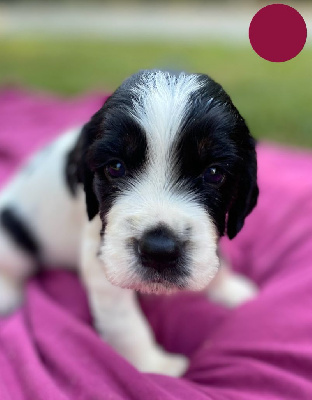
[(215, 134), (109, 135), (19, 232), (77, 170), (130, 147)]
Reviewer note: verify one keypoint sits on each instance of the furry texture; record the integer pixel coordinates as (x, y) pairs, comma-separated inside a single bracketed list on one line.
[(167, 130), (167, 156)]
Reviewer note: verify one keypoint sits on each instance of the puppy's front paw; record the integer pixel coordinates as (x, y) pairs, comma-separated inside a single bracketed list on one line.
[(161, 362), (232, 291), (10, 295)]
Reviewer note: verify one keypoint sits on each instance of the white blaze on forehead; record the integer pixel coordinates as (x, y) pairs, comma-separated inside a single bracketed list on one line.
[(160, 106)]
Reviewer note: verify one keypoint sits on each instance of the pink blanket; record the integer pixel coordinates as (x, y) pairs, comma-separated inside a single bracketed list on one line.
[(261, 350)]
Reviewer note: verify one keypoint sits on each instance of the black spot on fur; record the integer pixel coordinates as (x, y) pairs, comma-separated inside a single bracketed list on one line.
[(19, 231), (214, 134), (111, 134)]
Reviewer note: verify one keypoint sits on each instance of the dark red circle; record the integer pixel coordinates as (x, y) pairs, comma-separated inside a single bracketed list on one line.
[(277, 33)]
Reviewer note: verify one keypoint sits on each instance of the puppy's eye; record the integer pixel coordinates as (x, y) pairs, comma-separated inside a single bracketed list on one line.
[(115, 169), (214, 175)]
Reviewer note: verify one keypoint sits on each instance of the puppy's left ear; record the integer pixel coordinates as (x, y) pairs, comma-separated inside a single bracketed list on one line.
[(246, 196)]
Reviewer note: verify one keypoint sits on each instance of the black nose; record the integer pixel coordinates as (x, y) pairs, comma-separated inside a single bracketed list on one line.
[(158, 248)]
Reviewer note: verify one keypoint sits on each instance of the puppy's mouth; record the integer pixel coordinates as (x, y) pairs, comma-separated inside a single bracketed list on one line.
[(158, 285), (167, 279)]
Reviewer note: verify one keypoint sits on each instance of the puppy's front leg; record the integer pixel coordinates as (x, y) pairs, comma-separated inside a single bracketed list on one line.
[(117, 315)]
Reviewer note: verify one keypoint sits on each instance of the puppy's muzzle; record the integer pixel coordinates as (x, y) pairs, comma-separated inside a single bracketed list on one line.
[(159, 249)]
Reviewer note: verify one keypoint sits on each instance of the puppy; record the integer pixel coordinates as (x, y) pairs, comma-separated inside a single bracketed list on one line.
[(138, 199)]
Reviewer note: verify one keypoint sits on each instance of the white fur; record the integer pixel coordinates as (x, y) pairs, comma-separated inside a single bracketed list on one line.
[(117, 316), (161, 106), (143, 208)]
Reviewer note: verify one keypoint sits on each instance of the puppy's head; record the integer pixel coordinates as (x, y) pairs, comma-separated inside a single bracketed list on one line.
[(170, 166)]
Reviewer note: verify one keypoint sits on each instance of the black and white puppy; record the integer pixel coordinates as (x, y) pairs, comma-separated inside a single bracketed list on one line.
[(164, 168)]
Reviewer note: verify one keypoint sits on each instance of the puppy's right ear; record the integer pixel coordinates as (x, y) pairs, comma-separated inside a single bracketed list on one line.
[(81, 173)]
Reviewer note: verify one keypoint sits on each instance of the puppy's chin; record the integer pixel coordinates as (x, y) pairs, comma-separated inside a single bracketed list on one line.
[(160, 283), (152, 287), (155, 284), (158, 288)]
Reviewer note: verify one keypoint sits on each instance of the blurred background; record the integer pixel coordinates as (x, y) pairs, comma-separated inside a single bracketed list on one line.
[(73, 47)]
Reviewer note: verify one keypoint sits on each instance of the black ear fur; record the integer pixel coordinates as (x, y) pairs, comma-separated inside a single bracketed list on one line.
[(246, 195), (84, 174)]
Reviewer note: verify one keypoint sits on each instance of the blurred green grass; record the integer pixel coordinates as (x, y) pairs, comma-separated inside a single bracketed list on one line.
[(274, 98)]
